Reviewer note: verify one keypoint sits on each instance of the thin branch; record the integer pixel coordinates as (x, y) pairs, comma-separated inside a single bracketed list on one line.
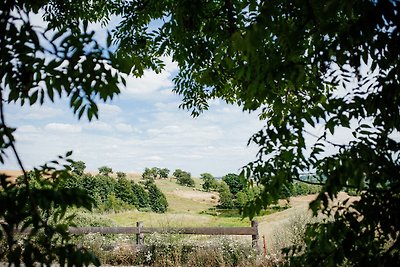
[(326, 141), (35, 210), (10, 137)]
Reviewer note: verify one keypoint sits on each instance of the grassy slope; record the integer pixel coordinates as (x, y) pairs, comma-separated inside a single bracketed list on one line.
[(185, 205)]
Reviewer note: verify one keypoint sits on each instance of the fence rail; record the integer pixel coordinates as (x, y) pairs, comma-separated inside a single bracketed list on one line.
[(140, 230)]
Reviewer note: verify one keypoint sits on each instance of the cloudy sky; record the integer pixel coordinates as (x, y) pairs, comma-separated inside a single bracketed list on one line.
[(142, 127)]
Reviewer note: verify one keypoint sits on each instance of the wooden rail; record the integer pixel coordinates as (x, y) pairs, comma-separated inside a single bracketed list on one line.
[(139, 231)]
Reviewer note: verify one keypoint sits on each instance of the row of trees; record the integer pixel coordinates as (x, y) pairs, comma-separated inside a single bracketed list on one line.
[(155, 173), (112, 193), (235, 191)]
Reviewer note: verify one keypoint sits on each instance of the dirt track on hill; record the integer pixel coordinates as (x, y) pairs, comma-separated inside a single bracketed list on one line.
[(270, 224), (299, 205)]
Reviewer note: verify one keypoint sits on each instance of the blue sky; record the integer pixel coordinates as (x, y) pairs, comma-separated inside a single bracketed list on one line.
[(142, 127)]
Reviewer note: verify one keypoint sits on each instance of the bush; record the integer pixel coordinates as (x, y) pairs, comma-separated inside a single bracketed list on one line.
[(234, 182), (105, 170), (150, 174), (121, 175), (89, 219), (112, 203), (123, 190), (157, 199), (183, 178), (141, 194), (225, 197), (209, 182)]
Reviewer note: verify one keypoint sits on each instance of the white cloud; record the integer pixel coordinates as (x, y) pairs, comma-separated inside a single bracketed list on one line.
[(152, 82), (63, 128), (148, 84), (27, 129), (153, 158), (108, 110), (170, 66), (99, 126), (124, 128), (37, 112)]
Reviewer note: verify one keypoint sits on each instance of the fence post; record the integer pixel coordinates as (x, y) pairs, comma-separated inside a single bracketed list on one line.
[(139, 235), (254, 237)]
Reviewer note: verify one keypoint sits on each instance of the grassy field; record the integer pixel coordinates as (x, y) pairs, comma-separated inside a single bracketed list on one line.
[(185, 207)]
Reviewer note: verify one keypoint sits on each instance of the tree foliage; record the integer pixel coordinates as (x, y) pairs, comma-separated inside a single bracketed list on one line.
[(225, 197), (163, 173), (39, 63), (235, 182), (105, 170), (303, 65), (157, 200), (183, 178), (121, 175), (209, 182), (155, 173), (78, 167)]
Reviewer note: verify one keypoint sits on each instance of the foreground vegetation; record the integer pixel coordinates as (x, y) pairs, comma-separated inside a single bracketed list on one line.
[(306, 66)]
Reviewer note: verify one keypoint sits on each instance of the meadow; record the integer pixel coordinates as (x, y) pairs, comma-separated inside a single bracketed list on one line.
[(281, 226)]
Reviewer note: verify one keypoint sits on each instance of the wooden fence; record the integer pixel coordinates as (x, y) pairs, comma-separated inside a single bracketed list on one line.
[(140, 230)]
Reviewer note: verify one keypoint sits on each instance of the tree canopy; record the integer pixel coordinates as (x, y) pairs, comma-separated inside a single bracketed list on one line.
[(38, 63), (311, 69)]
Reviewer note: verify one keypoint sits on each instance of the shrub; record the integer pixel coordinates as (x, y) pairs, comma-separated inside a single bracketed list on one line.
[(234, 182), (141, 194), (121, 175), (105, 170), (183, 178), (209, 182), (112, 203), (123, 190), (78, 167), (157, 199), (225, 197), (90, 219), (150, 174), (164, 172)]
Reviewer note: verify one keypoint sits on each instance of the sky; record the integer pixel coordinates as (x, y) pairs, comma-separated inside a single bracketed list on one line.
[(142, 127)]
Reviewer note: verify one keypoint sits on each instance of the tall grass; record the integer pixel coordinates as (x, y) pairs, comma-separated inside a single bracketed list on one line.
[(290, 233), (173, 250)]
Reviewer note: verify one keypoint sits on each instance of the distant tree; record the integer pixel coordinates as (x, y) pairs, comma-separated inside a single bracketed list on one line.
[(225, 196), (150, 173), (235, 182), (177, 173), (105, 170), (209, 182), (123, 190), (121, 175), (78, 167), (158, 201), (246, 196), (241, 199), (163, 173), (141, 194), (184, 178)]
